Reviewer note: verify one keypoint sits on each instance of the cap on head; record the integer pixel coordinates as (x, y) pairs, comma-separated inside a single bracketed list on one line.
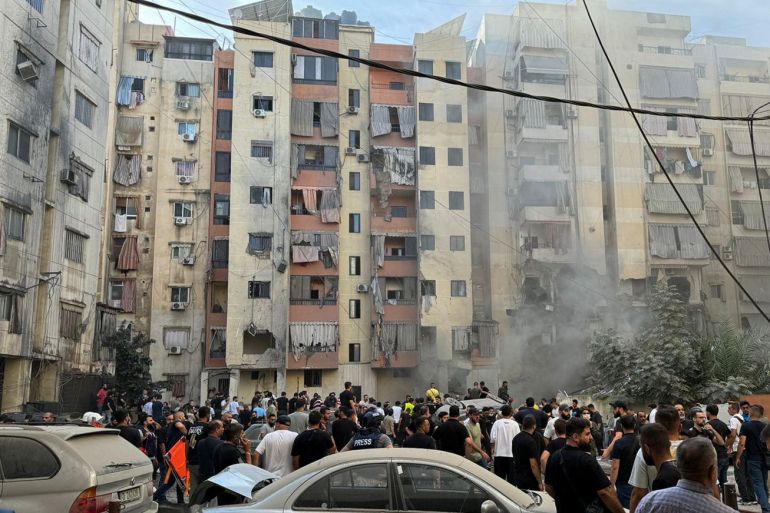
[(284, 419)]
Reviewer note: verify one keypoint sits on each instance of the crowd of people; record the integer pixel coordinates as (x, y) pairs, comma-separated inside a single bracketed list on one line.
[(667, 459)]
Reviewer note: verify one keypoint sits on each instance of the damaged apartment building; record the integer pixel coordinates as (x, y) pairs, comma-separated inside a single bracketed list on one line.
[(592, 223)]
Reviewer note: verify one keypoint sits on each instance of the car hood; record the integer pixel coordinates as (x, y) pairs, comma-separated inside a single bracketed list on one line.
[(240, 479)]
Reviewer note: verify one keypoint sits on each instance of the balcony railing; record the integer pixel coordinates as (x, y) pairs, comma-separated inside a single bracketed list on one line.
[(402, 301), (751, 79), (400, 257), (311, 302), (217, 354), (665, 50)]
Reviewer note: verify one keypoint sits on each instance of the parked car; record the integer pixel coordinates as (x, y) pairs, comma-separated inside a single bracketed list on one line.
[(68, 468), (382, 480)]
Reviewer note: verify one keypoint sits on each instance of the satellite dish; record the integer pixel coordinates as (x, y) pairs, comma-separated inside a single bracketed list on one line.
[(238, 14), (252, 329)]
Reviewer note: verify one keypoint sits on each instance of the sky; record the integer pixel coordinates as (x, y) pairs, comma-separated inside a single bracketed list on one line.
[(396, 21)]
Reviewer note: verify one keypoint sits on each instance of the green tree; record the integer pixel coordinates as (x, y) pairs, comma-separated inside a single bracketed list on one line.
[(132, 365)]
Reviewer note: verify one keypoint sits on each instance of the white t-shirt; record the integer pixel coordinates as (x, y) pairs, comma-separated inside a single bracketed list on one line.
[(550, 431), (651, 418), (736, 421), (396, 414), (147, 408), (642, 475), (233, 407), (502, 434), (275, 450)]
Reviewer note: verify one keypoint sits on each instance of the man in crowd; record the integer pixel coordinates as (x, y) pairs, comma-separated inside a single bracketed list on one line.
[(283, 404), (452, 436), (475, 392), (48, 417), (721, 434), (745, 488), (156, 409), (526, 457), (619, 409), (312, 444), (227, 454), (344, 427), (656, 449), (127, 431), (574, 478), (389, 425), (752, 448), (502, 392), (541, 419), (267, 427), (697, 463), (597, 427), (299, 417), (175, 430), (623, 455), (420, 439), (479, 457), (432, 394), (206, 447), (504, 430), (195, 435), (560, 440), (369, 437), (274, 451), (564, 414)]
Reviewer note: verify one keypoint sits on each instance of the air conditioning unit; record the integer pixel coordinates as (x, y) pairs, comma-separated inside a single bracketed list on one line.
[(175, 350), (708, 152), (259, 113), (352, 110), (185, 179), (190, 260), (183, 104), (510, 113), (363, 288), (350, 151), (178, 306), (363, 157), (727, 254), (188, 137), (572, 114), (180, 221), (27, 70), (68, 176)]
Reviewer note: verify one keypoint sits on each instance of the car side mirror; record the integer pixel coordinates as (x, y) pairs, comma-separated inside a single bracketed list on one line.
[(489, 507)]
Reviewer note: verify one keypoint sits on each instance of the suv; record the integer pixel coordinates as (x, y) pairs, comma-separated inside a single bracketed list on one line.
[(70, 468)]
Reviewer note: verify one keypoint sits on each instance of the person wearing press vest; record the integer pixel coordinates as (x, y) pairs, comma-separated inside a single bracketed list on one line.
[(369, 437)]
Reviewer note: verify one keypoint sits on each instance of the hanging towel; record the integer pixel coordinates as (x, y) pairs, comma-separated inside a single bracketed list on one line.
[(309, 197), (304, 254), (406, 120), (301, 117), (380, 120), (678, 167), (330, 118), (121, 223)]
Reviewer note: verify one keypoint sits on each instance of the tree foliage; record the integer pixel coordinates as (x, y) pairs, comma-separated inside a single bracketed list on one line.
[(132, 365), (670, 361)]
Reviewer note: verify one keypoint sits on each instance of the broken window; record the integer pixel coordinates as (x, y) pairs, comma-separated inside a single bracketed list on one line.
[(258, 342), (259, 290)]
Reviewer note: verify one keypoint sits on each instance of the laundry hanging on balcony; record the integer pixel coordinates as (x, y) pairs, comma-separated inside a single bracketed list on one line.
[(406, 120), (379, 120), (304, 254), (378, 250), (128, 169), (377, 299), (330, 206), (313, 337), (125, 96), (128, 259), (128, 296), (121, 223), (736, 179), (129, 131), (302, 117), (309, 196), (330, 119)]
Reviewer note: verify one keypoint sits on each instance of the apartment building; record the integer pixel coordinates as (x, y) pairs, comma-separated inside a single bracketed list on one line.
[(55, 98), (592, 223), (159, 204)]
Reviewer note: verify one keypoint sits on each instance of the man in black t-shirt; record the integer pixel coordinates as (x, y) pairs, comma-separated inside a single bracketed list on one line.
[(344, 427), (753, 449), (623, 455), (228, 454), (347, 399), (558, 442), (312, 444), (451, 436), (196, 434), (721, 429), (541, 419), (420, 438), (656, 451), (282, 404), (127, 432), (573, 477), (526, 457), (207, 447)]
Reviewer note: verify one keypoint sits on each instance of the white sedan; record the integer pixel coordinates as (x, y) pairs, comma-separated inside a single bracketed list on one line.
[(381, 480)]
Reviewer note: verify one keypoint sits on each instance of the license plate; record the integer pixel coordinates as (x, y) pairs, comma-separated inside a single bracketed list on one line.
[(131, 494)]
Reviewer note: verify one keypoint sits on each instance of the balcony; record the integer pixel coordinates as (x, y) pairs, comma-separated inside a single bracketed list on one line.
[(550, 132), (395, 345), (317, 360), (398, 360), (395, 225), (540, 214), (746, 79), (540, 173), (259, 350), (665, 50), (391, 94)]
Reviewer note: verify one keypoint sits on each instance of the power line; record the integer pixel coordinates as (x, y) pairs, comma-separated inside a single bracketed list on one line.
[(756, 173), (450, 81), (665, 172)]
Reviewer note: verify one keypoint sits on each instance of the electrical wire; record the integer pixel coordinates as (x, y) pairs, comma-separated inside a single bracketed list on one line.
[(665, 172), (450, 81), (756, 172)]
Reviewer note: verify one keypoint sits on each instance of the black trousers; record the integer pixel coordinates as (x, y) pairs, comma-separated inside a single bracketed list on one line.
[(503, 466)]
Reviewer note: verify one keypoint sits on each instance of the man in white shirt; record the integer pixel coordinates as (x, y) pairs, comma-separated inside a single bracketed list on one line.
[(397, 412), (501, 436), (564, 413), (275, 449), (745, 487), (147, 407), (234, 407)]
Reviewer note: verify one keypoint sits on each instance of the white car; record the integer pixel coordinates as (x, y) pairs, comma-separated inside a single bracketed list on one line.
[(72, 468), (381, 480)]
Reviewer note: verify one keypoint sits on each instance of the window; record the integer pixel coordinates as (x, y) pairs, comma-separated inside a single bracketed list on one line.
[(354, 139), (456, 243), (260, 243), (180, 251), (455, 156), (425, 111), (259, 194), (716, 291), (354, 265), (737, 212), (180, 294), (427, 242), (264, 103), (455, 494), (456, 200), (354, 98), (427, 200), (89, 49), (458, 288), (712, 216), (25, 458), (263, 59), (144, 55), (453, 70), (185, 168), (309, 69), (262, 150), (183, 209), (188, 89), (354, 353), (354, 181), (25, 57), (74, 244), (700, 71), (354, 308), (352, 52), (14, 223), (190, 49), (221, 209), (396, 86), (315, 28), (363, 484), (454, 113), (398, 211), (707, 141), (354, 223), (709, 178), (225, 83), (259, 290), (36, 5), (224, 124), (70, 322), (222, 167), (189, 128), (220, 253), (425, 66), (79, 179), (427, 156), (313, 378), (176, 337), (84, 109), (19, 142), (126, 206)]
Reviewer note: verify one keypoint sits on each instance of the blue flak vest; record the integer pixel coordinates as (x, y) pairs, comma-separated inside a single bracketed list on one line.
[(366, 439)]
